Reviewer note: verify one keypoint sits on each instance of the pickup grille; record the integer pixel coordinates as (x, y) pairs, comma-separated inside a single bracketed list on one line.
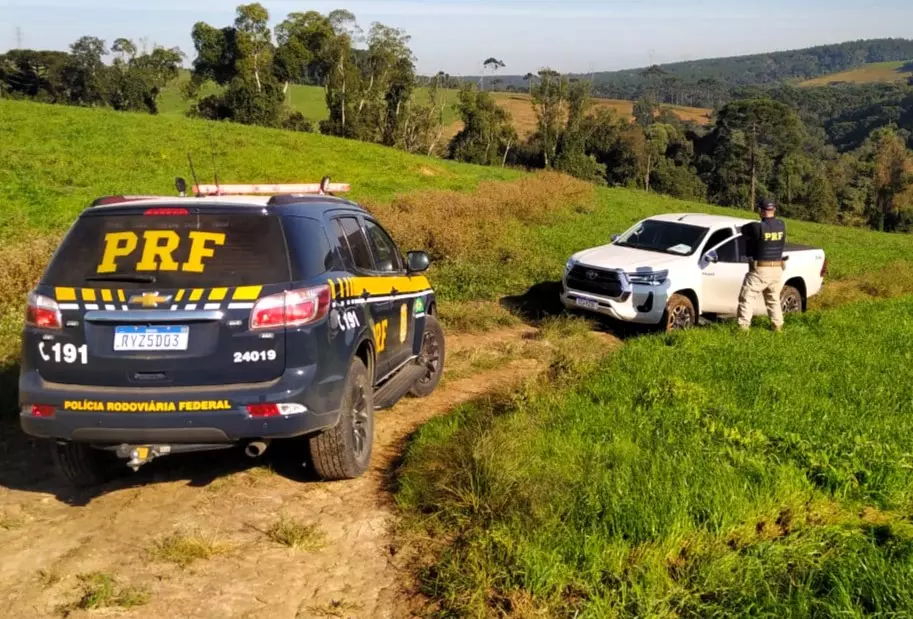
[(594, 281)]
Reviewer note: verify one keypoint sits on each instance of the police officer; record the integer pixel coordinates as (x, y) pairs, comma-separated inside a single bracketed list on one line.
[(765, 242)]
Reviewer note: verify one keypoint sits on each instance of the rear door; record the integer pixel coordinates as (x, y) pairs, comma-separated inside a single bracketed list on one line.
[(370, 288), (390, 274), (163, 297)]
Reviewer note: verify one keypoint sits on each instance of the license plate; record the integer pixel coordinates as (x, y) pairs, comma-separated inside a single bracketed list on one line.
[(151, 338), (592, 305)]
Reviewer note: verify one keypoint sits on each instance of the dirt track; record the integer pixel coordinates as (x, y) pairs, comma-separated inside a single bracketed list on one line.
[(50, 535)]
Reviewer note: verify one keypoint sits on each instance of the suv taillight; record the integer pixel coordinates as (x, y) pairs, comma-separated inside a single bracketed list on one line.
[(42, 312), (291, 308)]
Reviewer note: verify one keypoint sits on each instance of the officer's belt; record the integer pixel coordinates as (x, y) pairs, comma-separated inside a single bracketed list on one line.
[(769, 263)]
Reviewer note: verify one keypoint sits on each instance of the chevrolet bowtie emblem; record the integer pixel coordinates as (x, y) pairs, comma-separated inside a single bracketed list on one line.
[(149, 299)]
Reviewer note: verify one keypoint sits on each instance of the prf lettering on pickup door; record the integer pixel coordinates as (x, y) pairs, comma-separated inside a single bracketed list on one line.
[(157, 250)]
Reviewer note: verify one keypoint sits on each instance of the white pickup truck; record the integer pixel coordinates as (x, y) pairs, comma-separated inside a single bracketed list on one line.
[(669, 270)]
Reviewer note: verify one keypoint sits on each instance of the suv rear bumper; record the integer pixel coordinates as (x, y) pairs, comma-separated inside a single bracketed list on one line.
[(220, 412)]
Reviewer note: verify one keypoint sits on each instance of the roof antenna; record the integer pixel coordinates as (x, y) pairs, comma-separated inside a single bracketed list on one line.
[(212, 152), (196, 183)]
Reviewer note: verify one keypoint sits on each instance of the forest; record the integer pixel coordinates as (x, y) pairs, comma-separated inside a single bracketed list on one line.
[(836, 154)]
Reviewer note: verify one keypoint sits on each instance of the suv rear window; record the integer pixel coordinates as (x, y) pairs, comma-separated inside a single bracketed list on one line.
[(186, 251)]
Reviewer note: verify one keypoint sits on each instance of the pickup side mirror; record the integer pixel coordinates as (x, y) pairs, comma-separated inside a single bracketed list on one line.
[(417, 261), (711, 257), (615, 237)]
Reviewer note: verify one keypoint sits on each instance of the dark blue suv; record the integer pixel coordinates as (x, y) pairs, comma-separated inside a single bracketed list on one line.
[(166, 325)]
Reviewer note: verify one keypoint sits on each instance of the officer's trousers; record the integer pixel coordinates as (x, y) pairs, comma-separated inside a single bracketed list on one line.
[(767, 281)]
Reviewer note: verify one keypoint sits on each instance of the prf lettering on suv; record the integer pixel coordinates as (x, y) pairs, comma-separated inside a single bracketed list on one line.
[(241, 315)]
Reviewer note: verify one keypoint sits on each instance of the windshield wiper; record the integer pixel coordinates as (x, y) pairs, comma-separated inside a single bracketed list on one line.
[(135, 278)]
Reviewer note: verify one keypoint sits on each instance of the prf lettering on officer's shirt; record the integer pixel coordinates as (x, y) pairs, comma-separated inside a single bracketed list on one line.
[(773, 236), (158, 247)]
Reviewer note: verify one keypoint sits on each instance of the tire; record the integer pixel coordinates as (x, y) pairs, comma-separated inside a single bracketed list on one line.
[(791, 300), (679, 314), (431, 356), (344, 451), (84, 466)]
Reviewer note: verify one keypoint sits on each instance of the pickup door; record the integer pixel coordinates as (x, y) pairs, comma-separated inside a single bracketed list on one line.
[(722, 280)]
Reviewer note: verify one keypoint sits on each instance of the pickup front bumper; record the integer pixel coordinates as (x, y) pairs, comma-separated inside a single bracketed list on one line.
[(640, 304)]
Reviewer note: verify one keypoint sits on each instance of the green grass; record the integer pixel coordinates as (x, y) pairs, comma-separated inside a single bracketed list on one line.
[(54, 160), (99, 590), (183, 549), (705, 474)]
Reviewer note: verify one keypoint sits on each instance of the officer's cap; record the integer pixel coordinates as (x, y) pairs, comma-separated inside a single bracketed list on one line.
[(767, 204)]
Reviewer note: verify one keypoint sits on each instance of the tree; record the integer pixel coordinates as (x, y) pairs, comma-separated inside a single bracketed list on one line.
[(645, 112), (124, 48), (530, 79), (301, 55), (253, 40), (751, 138), (239, 57), (572, 157), (491, 64), (893, 182), (548, 96), (84, 72), (487, 132)]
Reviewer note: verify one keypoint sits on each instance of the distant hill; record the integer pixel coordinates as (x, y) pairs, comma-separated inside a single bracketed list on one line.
[(876, 72), (704, 83)]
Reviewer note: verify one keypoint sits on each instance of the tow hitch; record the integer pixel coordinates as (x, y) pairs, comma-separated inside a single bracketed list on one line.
[(138, 455)]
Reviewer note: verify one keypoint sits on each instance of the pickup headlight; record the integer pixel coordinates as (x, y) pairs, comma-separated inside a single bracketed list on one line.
[(651, 278), (569, 265)]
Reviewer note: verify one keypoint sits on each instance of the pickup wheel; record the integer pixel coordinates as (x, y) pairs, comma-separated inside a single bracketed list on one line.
[(790, 300), (84, 466), (680, 313), (431, 357), (344, 452)]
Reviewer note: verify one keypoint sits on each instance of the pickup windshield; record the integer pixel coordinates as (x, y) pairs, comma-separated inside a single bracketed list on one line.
[(666, 237)]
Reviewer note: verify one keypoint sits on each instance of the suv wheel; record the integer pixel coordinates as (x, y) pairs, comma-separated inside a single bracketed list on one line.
[(84, 466), (344, 452), (431, 357)]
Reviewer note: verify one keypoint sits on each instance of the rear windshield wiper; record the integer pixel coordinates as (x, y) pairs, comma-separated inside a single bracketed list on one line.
[(125, 277)]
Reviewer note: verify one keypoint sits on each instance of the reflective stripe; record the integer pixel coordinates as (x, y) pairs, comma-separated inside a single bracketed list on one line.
[(218, 294), (212, 306), (69, 306), (196, 294), (240, 306), (106, 296), (65, 294), (120, 296), (190, 306), (110, 307), (88, 294), (91, 306), (179, 296), (246, 293)]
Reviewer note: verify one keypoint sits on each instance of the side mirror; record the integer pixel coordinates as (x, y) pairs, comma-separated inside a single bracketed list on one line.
[(615, 237), (709, 258), (417, 261)]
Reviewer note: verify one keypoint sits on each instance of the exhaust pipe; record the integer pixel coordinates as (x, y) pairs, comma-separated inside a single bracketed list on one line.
[(255, 449)]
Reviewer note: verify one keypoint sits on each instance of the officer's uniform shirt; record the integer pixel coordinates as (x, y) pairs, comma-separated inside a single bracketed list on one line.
[(766, 239)]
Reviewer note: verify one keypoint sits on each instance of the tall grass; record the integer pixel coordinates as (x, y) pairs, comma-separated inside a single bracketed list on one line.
[(706, 474)]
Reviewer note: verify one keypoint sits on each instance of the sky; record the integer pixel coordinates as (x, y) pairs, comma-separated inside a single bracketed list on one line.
[(457, 35)]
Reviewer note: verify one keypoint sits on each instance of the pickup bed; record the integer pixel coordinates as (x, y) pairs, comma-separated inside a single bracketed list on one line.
[(695, 263)]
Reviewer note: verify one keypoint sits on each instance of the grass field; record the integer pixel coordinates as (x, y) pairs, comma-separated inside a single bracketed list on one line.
[(706, 474), (696, 475), (876, 72)]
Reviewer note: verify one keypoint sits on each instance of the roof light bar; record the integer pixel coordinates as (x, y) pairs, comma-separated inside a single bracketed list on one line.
[(266, 190)]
